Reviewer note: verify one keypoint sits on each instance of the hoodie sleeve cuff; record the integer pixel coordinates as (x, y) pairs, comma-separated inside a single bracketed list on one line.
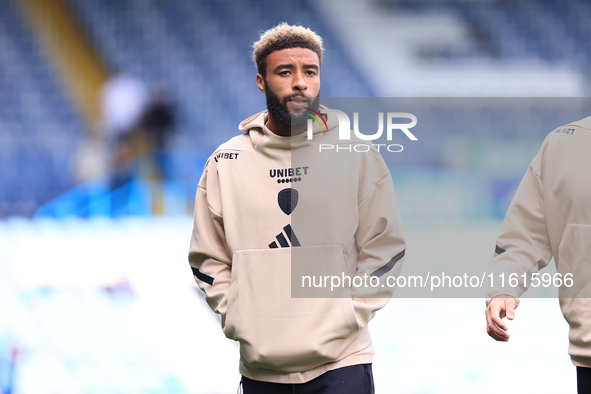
[(502, 295)]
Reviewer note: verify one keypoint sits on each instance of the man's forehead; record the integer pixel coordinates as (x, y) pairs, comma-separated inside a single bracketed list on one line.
[(293, 56)]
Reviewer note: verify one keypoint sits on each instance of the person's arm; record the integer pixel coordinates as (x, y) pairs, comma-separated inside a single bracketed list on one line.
[(209, 257), (381, 245), (522, 247)]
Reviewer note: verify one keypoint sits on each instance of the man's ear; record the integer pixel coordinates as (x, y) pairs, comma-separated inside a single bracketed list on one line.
[(261, 83)]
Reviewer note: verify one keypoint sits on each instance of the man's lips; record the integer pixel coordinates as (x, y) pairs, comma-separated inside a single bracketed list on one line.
[(299, 102)]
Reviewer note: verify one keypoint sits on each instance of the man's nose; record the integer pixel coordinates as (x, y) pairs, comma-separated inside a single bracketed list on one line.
[(299, 82)]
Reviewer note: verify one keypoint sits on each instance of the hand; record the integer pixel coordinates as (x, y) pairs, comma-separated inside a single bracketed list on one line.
[(497, 310)]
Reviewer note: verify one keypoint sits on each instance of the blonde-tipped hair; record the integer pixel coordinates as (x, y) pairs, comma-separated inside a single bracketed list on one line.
[(284, 36)]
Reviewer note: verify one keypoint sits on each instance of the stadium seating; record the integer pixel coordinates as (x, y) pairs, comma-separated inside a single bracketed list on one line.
[(39, 129), (202, 49)]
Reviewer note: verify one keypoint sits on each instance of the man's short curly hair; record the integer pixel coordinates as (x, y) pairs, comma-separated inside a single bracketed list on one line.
[(284, 36)]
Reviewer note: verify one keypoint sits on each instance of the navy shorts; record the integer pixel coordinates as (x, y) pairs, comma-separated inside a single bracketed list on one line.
[(583, 380), (355, 379)]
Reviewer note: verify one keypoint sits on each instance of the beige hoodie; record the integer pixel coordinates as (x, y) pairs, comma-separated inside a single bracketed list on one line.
[(550, 216), (246, 241)]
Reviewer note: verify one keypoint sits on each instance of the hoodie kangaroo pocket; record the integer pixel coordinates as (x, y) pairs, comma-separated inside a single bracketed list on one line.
[(279, 332)]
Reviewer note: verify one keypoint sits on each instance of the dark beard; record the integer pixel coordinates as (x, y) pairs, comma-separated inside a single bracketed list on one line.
[(278, 110)]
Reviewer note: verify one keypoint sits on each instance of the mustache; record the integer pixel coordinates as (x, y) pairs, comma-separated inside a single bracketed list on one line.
[(288, 98)]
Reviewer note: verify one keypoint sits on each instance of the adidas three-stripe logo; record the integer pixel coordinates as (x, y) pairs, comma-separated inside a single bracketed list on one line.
[(282, 240)]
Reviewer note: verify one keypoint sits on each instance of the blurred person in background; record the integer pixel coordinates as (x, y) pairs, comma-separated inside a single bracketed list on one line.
[(550, 216), (158, 124), (124, 100), (293, 345)]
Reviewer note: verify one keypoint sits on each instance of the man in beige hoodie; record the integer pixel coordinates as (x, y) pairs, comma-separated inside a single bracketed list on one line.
[(550, 216), (268, 205)]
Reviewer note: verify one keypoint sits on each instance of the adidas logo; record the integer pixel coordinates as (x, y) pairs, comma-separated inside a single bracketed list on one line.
[(283, 240)]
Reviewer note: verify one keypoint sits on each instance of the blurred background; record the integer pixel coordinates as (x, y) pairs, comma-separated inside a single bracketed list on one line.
[(109, 110)]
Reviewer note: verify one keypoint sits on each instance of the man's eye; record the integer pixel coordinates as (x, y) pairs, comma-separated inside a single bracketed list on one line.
[(311, 72), (284, 73)]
